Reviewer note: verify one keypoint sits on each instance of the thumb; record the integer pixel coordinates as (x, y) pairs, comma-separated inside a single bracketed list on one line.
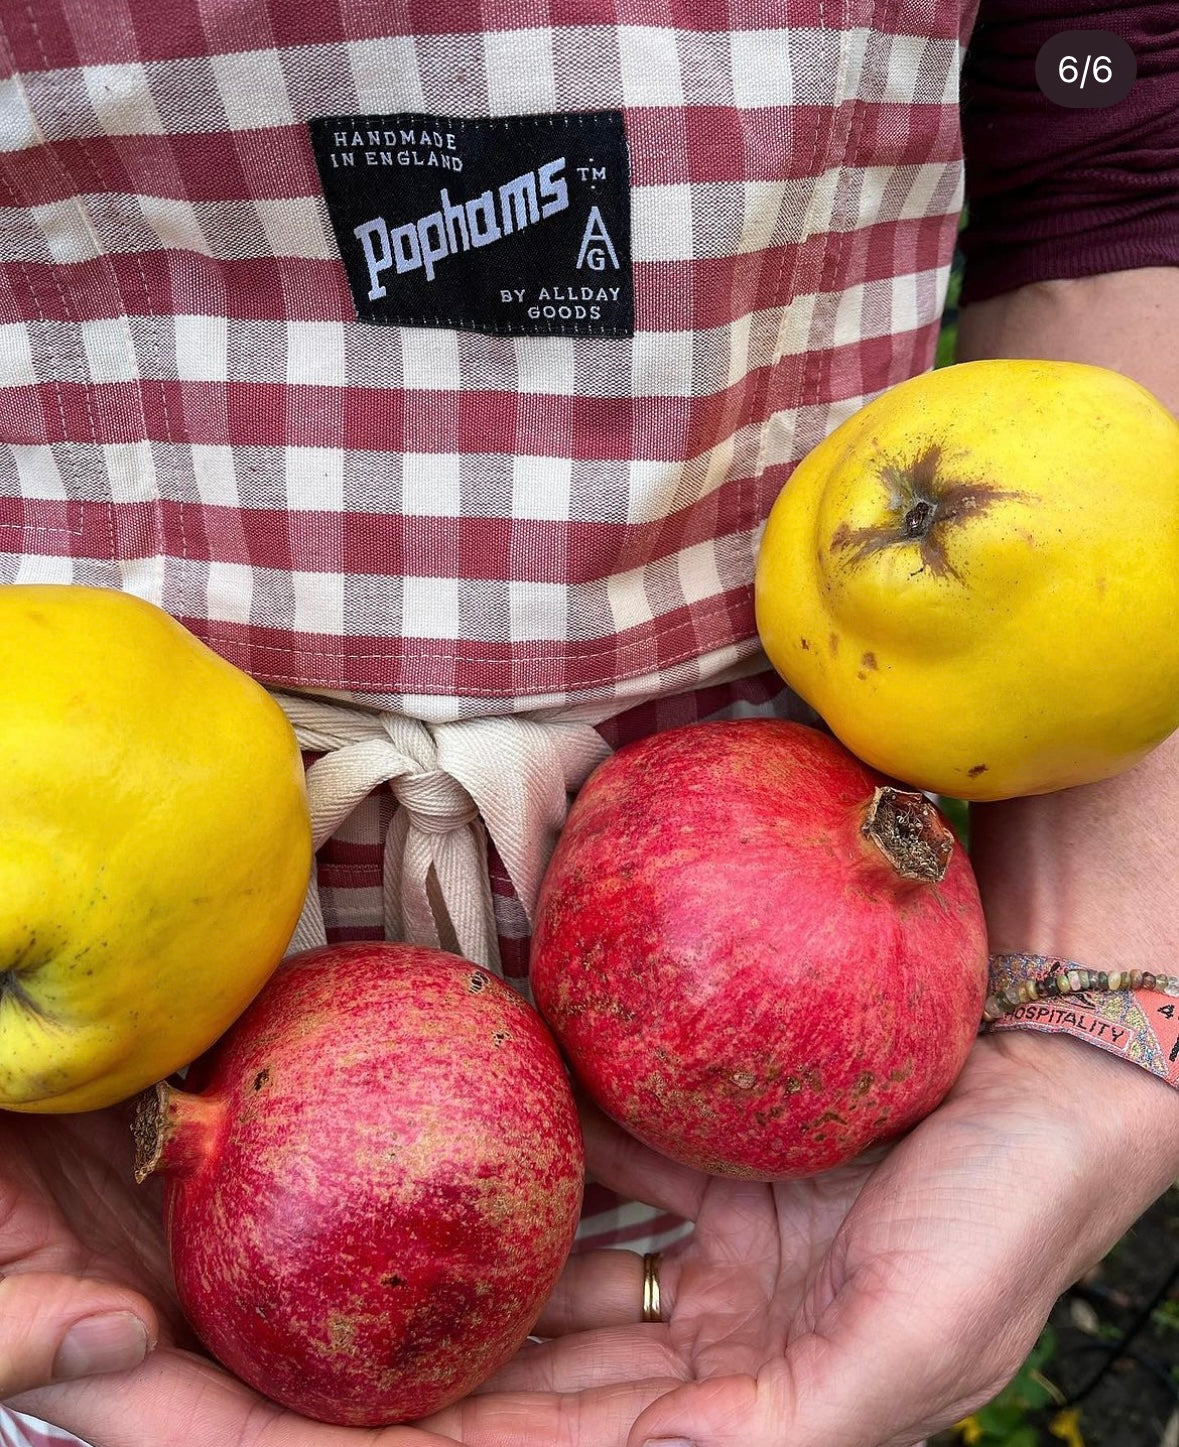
[(55, 1328), (812, 1397), (720, 1412)]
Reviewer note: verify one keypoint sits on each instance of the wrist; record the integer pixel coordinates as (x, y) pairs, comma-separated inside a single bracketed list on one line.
[(1068, 1069), (1098, 1138), (1117, 1113), (1132, 1013)]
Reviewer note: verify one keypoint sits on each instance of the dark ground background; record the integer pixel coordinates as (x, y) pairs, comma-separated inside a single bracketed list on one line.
[(1130, 1306)]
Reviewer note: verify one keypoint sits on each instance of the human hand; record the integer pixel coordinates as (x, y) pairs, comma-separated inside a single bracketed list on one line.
[(862, 1308), (78, 1236), (77, 1264), (866, 1307)]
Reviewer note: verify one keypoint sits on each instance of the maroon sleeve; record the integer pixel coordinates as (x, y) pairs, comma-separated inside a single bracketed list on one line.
[(1056, 192)]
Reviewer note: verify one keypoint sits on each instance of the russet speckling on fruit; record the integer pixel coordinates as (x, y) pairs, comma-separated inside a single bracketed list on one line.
[(974, 579), (155, 845), (759, 956), (371, 1182)]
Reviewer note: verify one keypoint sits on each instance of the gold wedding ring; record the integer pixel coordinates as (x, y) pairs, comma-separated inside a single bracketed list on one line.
[(651, 1304)]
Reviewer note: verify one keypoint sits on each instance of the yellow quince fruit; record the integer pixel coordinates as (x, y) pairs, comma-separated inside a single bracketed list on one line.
[(155, 845), (974, 579)]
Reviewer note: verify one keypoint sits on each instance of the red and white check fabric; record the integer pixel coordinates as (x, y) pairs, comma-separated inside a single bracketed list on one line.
[(19, 1430), (446, 525), (451, 524)]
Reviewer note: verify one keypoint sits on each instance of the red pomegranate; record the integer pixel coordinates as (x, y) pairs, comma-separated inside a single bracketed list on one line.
[(759, 956), (372, 1182)]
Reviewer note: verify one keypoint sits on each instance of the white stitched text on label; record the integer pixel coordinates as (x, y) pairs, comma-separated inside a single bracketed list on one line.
[(458, 226)]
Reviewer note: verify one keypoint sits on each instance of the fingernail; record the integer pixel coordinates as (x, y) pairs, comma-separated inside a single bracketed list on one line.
[(669, 1442), (112, 1342)]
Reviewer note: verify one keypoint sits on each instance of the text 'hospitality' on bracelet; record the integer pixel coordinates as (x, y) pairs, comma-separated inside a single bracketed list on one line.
[(1133, 1014)]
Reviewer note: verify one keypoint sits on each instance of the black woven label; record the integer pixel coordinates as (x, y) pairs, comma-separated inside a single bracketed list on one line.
[(517, 224)]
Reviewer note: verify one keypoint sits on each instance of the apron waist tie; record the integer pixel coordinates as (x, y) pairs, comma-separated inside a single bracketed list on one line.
[(454, 784)]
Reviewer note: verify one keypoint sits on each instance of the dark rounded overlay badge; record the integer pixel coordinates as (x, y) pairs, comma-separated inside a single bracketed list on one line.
[(1086, 69)]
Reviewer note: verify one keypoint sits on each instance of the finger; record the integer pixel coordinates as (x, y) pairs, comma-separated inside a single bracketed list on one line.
[(600, 1417), (603, 1289), (721, 1412), (613, 1357), (871, 1390), (54, 1328), (624, 1164), (177, 1399)]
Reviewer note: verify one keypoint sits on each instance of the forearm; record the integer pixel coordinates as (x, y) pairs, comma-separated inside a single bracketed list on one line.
[(1091, 873), (1124, 320), (1088, 871)]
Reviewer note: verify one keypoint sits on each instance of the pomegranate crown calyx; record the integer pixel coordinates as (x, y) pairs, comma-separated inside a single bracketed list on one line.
[(910, 832)]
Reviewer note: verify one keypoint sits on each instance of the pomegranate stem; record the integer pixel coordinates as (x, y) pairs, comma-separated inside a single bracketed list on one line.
[(173, 1130), (911, 833)]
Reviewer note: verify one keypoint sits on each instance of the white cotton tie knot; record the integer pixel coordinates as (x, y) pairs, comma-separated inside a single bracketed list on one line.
[(454, 783), (435, 802)]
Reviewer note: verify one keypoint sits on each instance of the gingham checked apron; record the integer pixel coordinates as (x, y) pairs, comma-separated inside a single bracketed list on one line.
[(467, 563)]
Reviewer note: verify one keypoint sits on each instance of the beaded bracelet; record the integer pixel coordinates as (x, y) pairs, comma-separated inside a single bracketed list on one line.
[(1126, 1012), (1071, 980)]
